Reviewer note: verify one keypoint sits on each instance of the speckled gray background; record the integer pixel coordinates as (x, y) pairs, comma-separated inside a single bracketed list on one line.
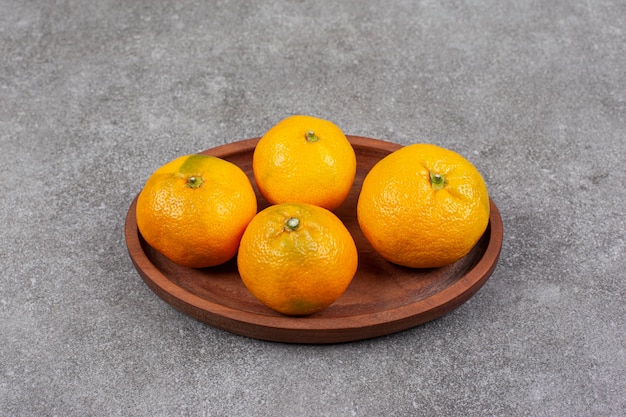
[(94, 95)]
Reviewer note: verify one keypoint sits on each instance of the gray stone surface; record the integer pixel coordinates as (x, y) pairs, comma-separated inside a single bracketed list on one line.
[(94, 95)]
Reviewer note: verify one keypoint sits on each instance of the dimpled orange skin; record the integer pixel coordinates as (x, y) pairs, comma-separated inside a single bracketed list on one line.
[(196, 227), (409, 221), (297, 272), (290, 168)]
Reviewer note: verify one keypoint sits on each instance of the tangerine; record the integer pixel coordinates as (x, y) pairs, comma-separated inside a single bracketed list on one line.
[(423, 206), (304, 159), (195, 209), (297, 258)]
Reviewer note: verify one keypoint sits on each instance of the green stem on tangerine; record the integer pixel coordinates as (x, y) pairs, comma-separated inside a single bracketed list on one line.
[(194, 182), (310, 136), (438, 181), (292, 224)]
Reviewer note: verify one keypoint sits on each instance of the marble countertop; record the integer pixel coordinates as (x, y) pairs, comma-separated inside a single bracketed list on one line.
[(95, 95)]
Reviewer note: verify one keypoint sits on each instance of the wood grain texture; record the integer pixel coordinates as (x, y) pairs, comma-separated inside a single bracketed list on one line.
[(383, 298)]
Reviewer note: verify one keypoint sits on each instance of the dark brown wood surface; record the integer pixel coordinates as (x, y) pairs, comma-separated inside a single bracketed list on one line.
[(383, 298)]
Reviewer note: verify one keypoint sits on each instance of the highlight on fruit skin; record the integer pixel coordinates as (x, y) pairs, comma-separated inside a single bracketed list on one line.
[(194, 210), (423, 206), (296, 258), (304, 159)]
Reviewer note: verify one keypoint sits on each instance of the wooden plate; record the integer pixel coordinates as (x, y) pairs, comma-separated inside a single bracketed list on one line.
[(383, 298)]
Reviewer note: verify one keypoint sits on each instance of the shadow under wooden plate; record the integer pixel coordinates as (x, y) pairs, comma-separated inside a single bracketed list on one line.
[(383, 298)]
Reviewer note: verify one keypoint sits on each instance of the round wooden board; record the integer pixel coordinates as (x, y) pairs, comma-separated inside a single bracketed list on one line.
[(383, 298)]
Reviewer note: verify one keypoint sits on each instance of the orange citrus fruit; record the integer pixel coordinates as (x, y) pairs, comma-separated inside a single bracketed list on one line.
[(195, 209), (297, 258), (423, 206), (303, 159)]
